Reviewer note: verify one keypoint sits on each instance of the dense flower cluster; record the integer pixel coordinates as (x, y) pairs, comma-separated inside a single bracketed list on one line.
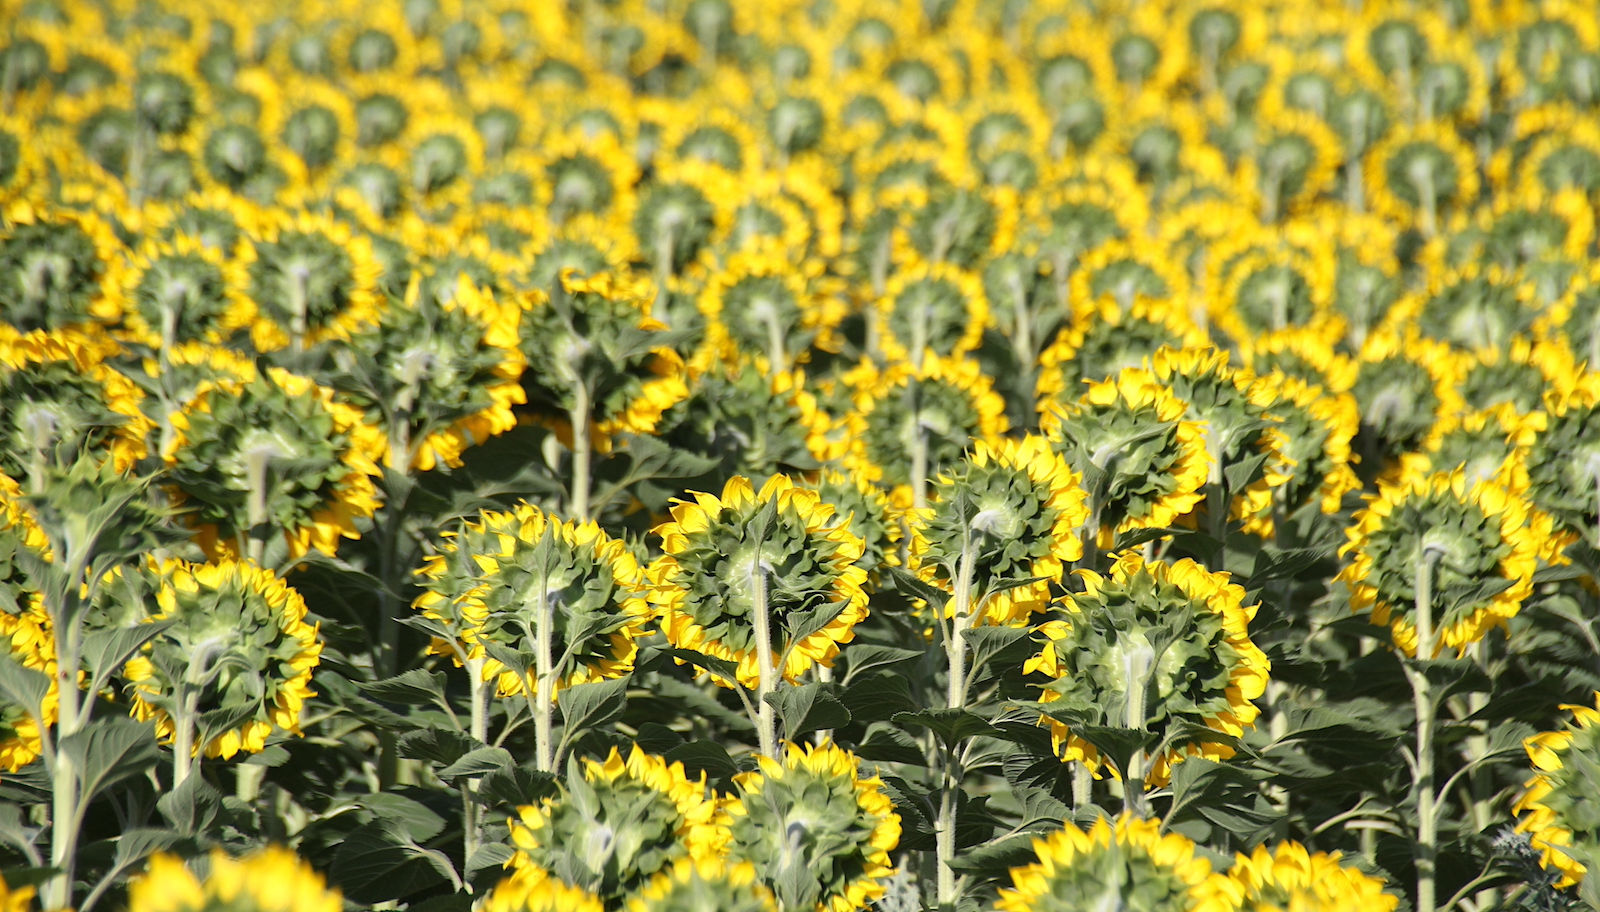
[(782, 455)]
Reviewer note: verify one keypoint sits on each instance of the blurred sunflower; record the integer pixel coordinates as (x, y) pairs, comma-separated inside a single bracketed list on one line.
[(864, 510), (237, 642), (1292, 878), (617, 824), (312, 279), (765, 305), (25, 631), (59, 400), (1141, 458), (938, 410), (695, 885), (277, 452), (591, 348), (183, 290), (1558, 807), (817, 832), (1010, 511), (533, 890), (1486, 540), (751, 563), (1104, 338), (1163, 648), (1563, 464), (1126, 861), (270, 880), (931, 307), (751, 421), (439, 376), (56, 267)]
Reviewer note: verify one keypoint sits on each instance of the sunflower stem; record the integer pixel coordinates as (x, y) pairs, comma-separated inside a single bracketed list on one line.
[(543, 698), (760, 616), (183, 737), (471, 823), (1138, 662), (919, 467), (955, 698), (1427, 850), (258, 462), (578, 502), (1082, 785)]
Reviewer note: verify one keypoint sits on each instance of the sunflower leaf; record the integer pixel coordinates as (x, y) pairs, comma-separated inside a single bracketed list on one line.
[(110, 751), (879, 697), (808, 708), (477, 762), (952, 726), (589, 706), (861, 657), (914, 587), (1117, 744), (707, 757), (415, 686)]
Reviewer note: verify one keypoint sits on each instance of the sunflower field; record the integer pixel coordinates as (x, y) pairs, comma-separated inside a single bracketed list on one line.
[(799, 455)]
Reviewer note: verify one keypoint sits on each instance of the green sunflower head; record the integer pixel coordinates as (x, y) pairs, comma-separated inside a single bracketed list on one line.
[(49, 275), (579, 183), (672, 225), (234, 155), (1161, 648), (106, 137), (372, 50), (312, 133), (1274, 297), (1564, 462), (378, 186), (613, 827), (796, 124), (752, 422), (506, 578), (694, 887), (817, 833), (1399, 399), (1363, 294), (437, 162), (956, 226), (380, 119), (164, 102), (1478, 312)]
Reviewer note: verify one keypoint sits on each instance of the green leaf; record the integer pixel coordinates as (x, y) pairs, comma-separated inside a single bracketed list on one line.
[(707, 757), (1272, 563), (219, 721), (490, 855), (952, 726), (914, 587), (380, 862), (887, 744), (110, 751), (418, 686), (419, 821), (808, 708), (439, 745), (516, 786), (22, 686), (879, 697), (478, 762), (1117, 744), (585, 707), (106, 651), (984, 644), (996, 859), (721, 668), (192, 808), (864, 657)]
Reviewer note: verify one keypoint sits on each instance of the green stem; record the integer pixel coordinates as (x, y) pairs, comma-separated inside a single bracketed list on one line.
[(544, 699), (919, 466), (578, 504), (956, 698), (471, 813), (65, 812), (1139, 662), (1427, 849), (760, 616)]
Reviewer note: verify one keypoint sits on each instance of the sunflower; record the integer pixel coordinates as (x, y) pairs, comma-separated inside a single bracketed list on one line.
[(237, 642), (933, 307), (183, 290), (1489, 444), (754, 422), (1562, 462), (17, 900), (864, 509), (718, 554), (696, 885), (275, 452), (817, 832), (947, 403), (1015, 510), (763, 304), (617, 824), (60, 400), (1487, 541), (594, 332), (271, 880), (1416, 171), (1315, 429), (312, 279), (442, 375), (1558, 806), (56, 267), (1402, 393), (1292, 878), (533, 890), (1233, 409), (1126, 862), (1164, 648), (1142, 459), (1103, 338), (504, 576)]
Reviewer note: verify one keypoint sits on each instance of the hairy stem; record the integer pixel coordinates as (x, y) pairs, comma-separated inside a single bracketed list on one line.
[(1427, 849), (760, 616), (578, 501)]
